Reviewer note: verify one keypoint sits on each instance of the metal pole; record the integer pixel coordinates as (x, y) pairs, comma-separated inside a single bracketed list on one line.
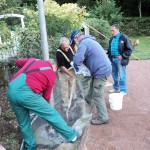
[(22, 23), (86, 29), (43, 30)]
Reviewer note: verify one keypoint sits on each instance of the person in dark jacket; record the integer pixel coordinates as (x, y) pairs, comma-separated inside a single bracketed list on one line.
[(92, 55), (119, 51), (29, 90)]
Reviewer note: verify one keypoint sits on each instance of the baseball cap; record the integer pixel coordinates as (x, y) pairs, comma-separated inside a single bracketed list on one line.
[(73, 34)]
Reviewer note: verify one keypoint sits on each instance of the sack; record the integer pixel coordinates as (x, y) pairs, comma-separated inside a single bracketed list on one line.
[(81, 70)]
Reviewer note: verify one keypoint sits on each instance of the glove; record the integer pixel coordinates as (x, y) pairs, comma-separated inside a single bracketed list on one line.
[(81, 70)]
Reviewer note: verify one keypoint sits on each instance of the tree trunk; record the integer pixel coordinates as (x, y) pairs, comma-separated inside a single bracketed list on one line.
[(140, 11)]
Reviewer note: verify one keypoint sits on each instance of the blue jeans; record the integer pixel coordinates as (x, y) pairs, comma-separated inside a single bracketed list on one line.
[(119, 75)]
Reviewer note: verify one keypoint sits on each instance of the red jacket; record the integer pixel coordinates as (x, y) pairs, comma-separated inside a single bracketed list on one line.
[(40, 81)]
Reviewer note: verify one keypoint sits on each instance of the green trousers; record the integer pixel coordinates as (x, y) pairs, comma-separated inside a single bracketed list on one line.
[(24, 100), (96, 93)]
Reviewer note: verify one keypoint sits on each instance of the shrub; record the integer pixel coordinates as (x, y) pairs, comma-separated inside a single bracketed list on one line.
[(135, 26), (103, 27), (107, 10), (59, 23)]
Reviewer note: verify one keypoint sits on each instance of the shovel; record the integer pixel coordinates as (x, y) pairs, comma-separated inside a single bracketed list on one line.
[(71, 95)]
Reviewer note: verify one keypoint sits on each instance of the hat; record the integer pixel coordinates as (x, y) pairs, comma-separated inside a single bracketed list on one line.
[(73, 34)]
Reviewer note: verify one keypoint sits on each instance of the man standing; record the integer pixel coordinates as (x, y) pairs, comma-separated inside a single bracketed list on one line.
[(64, 56), (119, 52), (29, 90), (92, 55)]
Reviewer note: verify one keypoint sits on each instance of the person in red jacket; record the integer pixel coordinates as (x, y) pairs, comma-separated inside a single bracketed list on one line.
[(29, 90)]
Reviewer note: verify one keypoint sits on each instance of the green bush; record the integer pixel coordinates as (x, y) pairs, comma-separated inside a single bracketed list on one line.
[(107, 10), (63, 19), (29, 38), (135, 26), (103, 27), (59, 23), (7, 45)]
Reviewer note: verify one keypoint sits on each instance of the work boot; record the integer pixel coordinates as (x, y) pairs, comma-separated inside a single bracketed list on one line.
[(98, 121)]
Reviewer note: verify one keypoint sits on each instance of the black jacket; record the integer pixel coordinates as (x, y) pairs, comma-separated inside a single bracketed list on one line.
[(124, 47)]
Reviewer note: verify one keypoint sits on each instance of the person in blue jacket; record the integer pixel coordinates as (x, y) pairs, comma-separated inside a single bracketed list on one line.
[(92, 55)]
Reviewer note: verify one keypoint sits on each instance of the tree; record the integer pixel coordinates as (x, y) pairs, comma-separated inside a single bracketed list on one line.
[(139, 6), (107, 10), (134, 8)]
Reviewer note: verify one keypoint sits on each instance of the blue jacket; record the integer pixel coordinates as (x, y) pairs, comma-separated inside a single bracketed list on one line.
[(91, 54)]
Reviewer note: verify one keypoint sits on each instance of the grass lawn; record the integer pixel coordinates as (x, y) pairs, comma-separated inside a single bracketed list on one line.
[(142, 51)]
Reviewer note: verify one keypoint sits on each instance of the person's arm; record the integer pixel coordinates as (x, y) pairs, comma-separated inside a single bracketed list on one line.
[(21, 62), (47, 92), (60, 60), (127, 48), (80, 55), (65, 70)]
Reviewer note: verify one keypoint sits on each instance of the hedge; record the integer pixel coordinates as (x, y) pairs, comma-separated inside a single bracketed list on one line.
[(135, 26)]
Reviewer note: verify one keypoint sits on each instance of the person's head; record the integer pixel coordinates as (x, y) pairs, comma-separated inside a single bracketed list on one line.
[(115, 29), (76, 36), (64, 44)]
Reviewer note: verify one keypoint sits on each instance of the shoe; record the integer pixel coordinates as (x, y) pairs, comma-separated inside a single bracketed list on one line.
[(98, 121), (114, 91), (74, 139), (123, 93), (79, 134)]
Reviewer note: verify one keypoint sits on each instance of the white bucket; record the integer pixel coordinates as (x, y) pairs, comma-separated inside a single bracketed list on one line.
[(115, 100)]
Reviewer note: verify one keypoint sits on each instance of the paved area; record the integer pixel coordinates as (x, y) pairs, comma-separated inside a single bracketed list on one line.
[(129, 128)]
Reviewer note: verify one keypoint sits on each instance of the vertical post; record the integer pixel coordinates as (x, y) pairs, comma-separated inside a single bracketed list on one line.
[(43, 30), (86, 29), (22, 22)]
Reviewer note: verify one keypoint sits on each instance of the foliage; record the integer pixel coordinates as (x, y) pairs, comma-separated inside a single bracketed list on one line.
[(7, 40), (4, 32), (88, 3), (128, 5), (107, 10), (29, 38), (135, 26), (29, 44), (142, 51), (59, 23), (103, 27), (64, 18)]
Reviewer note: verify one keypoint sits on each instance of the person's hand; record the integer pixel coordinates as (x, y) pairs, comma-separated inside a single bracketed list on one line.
[(72, 76), (120, 57), (75, 48), (54, 68)]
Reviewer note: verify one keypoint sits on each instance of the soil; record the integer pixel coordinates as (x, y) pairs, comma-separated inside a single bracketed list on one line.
[(10, 136)]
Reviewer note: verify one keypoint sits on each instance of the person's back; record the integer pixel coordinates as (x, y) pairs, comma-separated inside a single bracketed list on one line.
[(94, 57), (40, 81)]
